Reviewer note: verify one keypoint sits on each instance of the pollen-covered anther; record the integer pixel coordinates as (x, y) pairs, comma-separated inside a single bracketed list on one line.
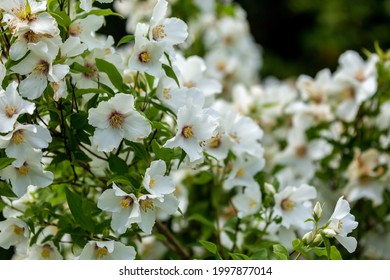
[(23, 170), (18, 137), (159, 32), (42, 67), (126, 202), (152, 182), (167, 93), (31, 37), (215, 142), (187, 132), (101, 252), (252, 203), (301, 151), (116, 120), (144, 57), (360, 75), (240, 173), (287, 204), (10, 111), (75, 29), (18, 230), (46, 251), (340, 225), (146, 204)]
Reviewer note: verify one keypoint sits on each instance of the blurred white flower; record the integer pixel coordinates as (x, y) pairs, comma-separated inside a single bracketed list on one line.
[(155, 180), (247, 201), (45, 251), (107, 250), (14, 232)]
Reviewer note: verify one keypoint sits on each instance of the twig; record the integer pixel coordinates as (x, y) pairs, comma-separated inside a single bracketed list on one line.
[(173, 243)]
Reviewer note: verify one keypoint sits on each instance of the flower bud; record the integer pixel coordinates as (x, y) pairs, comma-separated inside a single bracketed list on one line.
[(269, 188), (317, 211), (317, 239), (330, 233), (307, 238)]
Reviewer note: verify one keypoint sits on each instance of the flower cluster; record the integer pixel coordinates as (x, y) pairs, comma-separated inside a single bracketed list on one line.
[(162, 145)]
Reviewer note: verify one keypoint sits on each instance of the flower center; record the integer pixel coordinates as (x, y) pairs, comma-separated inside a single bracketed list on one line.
[(340, 225), (234, 137), (167, 93), (215, 142), (75, 29), (116, 120), (287, 204), (31, 37), (101, 252), (10, 111), (158, 32), (18, 230), (252, 203), (301, 151), (348, 93), (18, 137), (152, 182), (42, 68), (360, 75), (23, 170), (240, 173), (126, 202), (189, 84), (146, 204), (46, 251), (364, 179), (144, 57), (187, 132)]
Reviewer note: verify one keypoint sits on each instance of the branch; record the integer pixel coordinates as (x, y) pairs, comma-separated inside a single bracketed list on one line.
[(172, 242)]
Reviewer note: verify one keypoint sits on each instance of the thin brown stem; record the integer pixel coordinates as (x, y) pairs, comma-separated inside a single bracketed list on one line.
[(172, 242)]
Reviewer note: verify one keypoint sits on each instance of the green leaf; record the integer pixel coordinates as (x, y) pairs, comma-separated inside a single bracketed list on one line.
[(161, 152), (261, 254), (81, 210), (76, 67), (170, 73), (334, 253), (4, 162), (238, 256), (99, 12), (79, 120), (125, 39), (139, 150), (201, 219), (112, 72), (280, 252), (6, 190), (209, 246), (61, 18), (117, 165)]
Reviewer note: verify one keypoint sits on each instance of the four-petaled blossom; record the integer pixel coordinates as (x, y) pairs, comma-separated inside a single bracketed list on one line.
[(342, 222), (123, 206), (116, 119), (11, 106), (107, 250), (155, 180), (14, 232)]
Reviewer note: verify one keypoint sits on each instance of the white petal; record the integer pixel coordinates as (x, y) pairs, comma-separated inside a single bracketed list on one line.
[(108, 201), (122, 252), (44, 24), (148, 219), (348, 242), (107, 139), (33, 86), (136, 127)]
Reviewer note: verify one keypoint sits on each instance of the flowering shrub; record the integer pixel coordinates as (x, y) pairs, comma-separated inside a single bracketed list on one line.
[(165, 145)]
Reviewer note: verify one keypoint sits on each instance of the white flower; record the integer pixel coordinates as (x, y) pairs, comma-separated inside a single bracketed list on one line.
[(3, 71), (172, 31), (85, 29), (194, 125), (72, 47), (14, 232), (26, 171), (117, 119), (123, 206), (38, 65), (244, 169), (11, 106), (45, 251), (151, 205), (343, 223), (24, 137), (155, 181), (146, 54), (107, 250), (359, 81), (247, 202), (365, 178), (294, 206)]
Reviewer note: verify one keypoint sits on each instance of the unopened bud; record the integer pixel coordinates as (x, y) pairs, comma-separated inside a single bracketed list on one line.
[(330, 233), (317, 211), (269, 188), (307, 238), (317, 239)]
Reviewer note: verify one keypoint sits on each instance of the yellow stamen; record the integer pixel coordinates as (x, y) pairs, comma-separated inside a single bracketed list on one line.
[(23, 170), (18, 137), (75, 29), (187, 132), (240, 173), (144, 57), (46, 251), (116, 120), (126, 202), (301, 151), (287, 204), (146, 204), (215, 142), (252, 203), (18, 230), (152, 182), (158, 32), (10, 111), (101, 252), (167, 93), (340, 225)]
